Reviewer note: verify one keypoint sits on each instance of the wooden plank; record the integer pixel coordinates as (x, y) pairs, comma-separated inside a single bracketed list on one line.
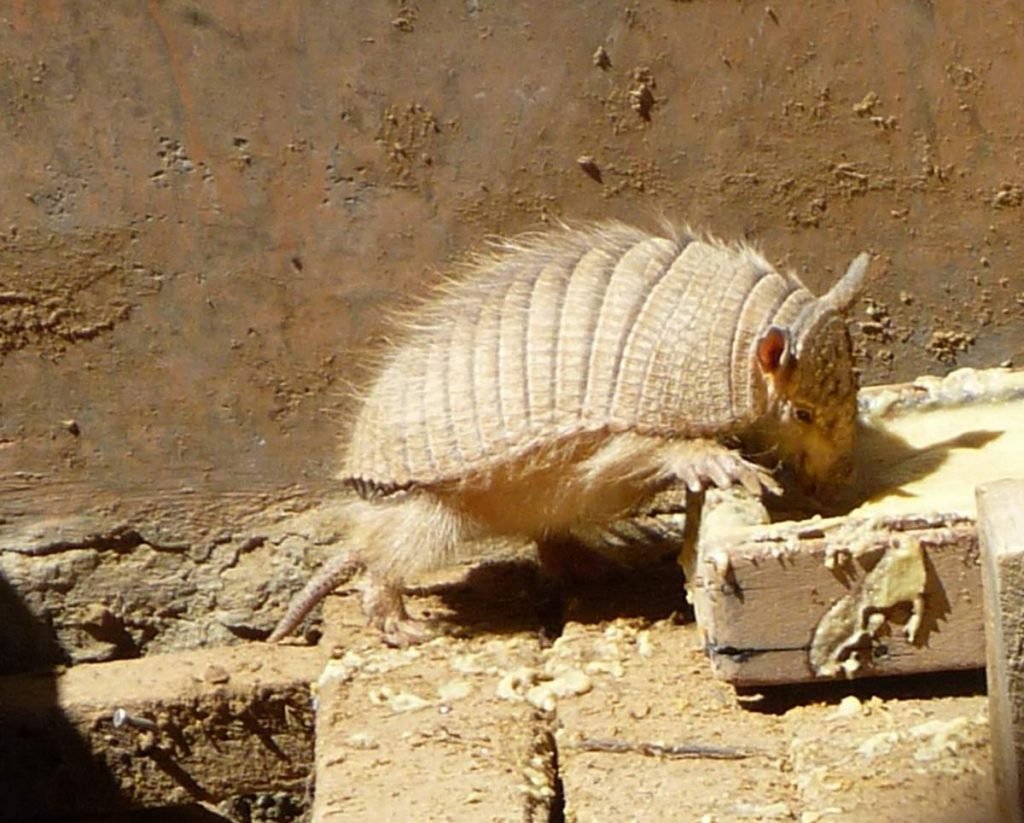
[(894, 586), (160, 731), (799, 601), (1001, 532)]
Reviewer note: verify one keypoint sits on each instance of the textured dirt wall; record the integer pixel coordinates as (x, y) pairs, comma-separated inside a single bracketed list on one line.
[(206, 206)]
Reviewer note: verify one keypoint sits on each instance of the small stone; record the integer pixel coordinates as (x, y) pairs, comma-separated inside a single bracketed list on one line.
[(362, 741), (545, 695), (216, 674), (849, 706), (589, 165), (454, 690), (398, 702), (514, 685)]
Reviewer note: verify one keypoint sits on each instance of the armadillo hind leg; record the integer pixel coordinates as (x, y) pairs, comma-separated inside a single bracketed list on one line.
[(387, 538), (398, 536)]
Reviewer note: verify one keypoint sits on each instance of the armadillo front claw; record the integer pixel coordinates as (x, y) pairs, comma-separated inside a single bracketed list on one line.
[(755, 479), (725, 469)]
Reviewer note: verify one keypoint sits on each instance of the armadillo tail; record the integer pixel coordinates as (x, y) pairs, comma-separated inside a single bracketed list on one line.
[(336, 571)]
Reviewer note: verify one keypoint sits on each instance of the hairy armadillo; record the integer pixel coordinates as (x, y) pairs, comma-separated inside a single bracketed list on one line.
[(565, 379)]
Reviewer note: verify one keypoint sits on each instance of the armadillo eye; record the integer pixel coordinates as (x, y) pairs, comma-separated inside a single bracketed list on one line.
[(803, 415)]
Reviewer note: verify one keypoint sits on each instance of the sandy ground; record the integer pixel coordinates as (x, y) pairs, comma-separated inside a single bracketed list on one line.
[(454, 730)]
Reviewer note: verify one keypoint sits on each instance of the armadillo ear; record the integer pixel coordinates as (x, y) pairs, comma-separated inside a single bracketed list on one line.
[(774, 351)]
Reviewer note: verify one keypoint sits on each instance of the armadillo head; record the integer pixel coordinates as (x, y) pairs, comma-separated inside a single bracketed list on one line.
[(812, 389)]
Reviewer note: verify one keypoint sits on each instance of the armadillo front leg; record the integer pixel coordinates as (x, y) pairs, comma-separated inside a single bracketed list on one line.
[(703, 463)]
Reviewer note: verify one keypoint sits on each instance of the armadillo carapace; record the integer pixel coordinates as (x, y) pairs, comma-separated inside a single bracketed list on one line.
[(567, 377)]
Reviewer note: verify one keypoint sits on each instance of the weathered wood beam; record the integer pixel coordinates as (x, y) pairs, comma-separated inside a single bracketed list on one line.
[(799, 601), (1001, 532), (894, 586)]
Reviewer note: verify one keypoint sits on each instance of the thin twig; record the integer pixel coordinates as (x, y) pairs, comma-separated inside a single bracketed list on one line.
[(664, 750)]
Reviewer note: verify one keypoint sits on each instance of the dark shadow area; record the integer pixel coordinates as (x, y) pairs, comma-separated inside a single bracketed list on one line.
[(177, 814), (500, 597), (884, 462), (48, 770), (780, 699), (514, 596), (278, 806), (654, 592), (939, 607), (27, 642), (61, 768)]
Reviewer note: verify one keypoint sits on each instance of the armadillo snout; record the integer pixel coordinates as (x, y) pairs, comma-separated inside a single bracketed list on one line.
[(822, 471)]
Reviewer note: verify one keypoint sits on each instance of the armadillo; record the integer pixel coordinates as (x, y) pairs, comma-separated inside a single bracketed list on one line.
[(565, 378)]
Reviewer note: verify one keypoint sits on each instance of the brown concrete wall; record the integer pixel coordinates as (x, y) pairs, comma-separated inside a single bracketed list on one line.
[(207, 205)]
